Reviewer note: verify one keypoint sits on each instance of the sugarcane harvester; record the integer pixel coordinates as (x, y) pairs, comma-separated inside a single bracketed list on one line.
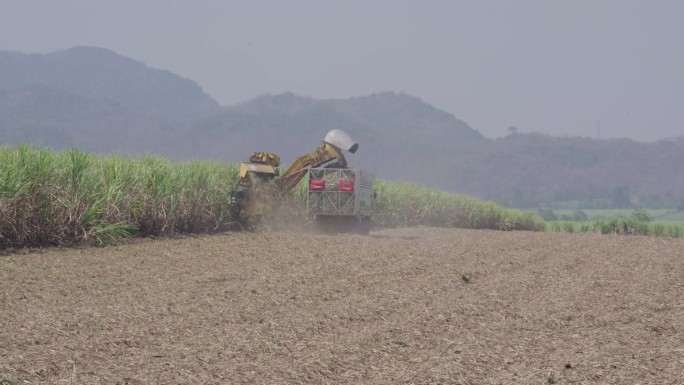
[(338, 197)]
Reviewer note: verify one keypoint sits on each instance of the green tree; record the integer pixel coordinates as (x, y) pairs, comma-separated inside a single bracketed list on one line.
[(579, 215), (547, 214), (641, 215)]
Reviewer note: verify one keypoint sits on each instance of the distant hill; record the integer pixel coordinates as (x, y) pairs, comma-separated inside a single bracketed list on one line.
[(103, 75), (47, 116), (400, 136), (532, 170), (101, 101), (92, 97)]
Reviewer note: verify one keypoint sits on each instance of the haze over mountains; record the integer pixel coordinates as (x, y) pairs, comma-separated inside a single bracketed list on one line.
[(100, 101)]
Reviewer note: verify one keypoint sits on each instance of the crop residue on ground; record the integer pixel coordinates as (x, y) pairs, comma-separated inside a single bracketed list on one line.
[(392, 307)]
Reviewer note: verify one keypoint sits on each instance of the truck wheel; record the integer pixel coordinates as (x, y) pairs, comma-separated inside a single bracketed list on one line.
[(363, 226)]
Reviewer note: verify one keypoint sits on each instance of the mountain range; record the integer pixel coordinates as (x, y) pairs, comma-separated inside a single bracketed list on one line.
[(104, 102)]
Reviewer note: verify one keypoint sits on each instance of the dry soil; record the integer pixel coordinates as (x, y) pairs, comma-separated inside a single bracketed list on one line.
[(398, 307)]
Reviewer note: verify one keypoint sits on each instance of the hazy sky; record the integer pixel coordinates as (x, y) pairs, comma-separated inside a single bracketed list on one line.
[(558, 67)]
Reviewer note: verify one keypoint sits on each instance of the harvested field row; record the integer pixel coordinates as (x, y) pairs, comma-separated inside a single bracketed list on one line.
[(401, 306)]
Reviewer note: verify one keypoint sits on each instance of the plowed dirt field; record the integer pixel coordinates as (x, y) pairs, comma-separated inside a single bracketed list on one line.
[(399, 306)]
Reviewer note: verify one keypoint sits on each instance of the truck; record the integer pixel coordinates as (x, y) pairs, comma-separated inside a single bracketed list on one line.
[(339, 198)]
